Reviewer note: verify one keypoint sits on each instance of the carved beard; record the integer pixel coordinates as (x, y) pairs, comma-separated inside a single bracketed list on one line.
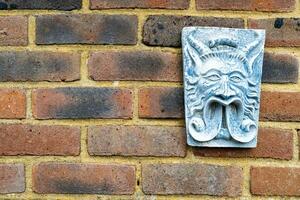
[(220, 109)]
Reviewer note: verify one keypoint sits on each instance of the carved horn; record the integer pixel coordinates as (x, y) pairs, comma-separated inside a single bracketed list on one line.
[(200, 47)]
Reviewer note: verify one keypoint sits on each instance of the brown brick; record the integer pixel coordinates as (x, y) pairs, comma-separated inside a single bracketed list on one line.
[(275, 181), (76, 178), (40, 4), (192, 179), (272, 143), (165, 30), (135, 65), (165, 4), (280, 31), (161, 102), (280, 106), (13, 30), (137, 141), (39, 66), (280, 68), (17, 139), (12, 178), (12, 103), (78, 103), (251, 5), (86, 29)]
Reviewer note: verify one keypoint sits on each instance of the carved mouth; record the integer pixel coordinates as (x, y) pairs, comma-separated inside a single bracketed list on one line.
[(228, 110)]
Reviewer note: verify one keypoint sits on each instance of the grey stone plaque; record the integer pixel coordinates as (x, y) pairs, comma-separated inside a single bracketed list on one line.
[(222, 78)]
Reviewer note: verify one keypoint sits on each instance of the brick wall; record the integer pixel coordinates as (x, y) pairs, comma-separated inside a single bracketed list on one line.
[(91, 102)]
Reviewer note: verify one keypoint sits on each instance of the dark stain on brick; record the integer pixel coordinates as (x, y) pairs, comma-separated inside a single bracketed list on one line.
[(278, 23), (77, 187), (140, 64), (86, 103), (280, 68), (117, 30), (41, 4), (172, 102)]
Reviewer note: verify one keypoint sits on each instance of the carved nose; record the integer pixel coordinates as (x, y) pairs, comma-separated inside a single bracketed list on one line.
[(225, 91)]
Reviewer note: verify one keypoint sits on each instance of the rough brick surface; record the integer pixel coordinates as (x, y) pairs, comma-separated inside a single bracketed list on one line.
[(280, 68), (165, 30), (17, 139), (39, 66), (135, 65), (275, 181), (280, 31), (161, 102), (40, 4), (12, 178), (76, 103), (280, 106), (272, 143), (192, 179), (165, 4), (251, 5), (13, 30), (12, 104), (75, 178), (86, 29), (137, 141)]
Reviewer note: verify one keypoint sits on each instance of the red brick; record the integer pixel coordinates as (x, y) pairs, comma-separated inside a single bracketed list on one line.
[(77, 178), (13, 31), (13, 103), (137, 141), (192, 179), (12, 178), (17, 139), (280, 106), (39, 66), (272, 143), (40, 4), (275, 181), (165, 4), (84, 102), (135, 65), (280, 31), (86, 29), (251, 5), (161, 102)]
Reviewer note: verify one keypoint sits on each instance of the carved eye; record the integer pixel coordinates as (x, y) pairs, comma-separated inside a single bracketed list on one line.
[(235, 78), (214, 77)]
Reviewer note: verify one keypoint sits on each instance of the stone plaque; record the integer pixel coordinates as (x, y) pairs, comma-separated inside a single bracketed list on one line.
[(222, 78)]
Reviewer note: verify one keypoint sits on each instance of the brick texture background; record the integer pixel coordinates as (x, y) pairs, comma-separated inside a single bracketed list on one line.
[(91, 102)]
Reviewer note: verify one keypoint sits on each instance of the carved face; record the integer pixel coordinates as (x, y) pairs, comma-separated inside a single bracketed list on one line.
[(221, 93)]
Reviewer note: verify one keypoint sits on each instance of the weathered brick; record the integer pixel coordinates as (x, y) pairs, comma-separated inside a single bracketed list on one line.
[(192, 179), (137, 141), (12, 178), (280, 106), (76, 103), (280, 68), (165, 30), (76, 178), (161, 102), (39, 66), (165, 4), (40, 4), (135, 65), (280, 31), (17, 139), (12, 104), (272, 143), (86, 29), (251, 5), (275, 181), (13, 30)]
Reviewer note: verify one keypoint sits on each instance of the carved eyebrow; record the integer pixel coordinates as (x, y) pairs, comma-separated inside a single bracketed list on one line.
[(212, 71), (237, 72)]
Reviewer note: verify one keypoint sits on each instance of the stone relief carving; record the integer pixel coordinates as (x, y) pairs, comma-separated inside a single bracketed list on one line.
[(222, 77)]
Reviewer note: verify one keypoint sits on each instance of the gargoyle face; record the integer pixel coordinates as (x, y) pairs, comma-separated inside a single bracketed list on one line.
[(222, 98)]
